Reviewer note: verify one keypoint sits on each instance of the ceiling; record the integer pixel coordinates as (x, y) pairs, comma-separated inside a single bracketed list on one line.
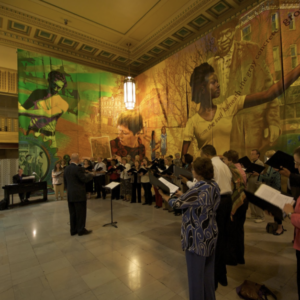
[(96, 32)]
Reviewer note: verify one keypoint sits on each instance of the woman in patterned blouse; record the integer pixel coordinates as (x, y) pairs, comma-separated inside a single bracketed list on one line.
[(199, 230)]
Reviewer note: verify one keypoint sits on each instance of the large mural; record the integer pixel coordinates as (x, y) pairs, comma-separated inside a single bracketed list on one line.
[(224, 89)]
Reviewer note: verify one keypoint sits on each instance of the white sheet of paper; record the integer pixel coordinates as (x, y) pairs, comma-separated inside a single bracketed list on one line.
[(112, 185), (173, 188), (273, 196), (28, 178)]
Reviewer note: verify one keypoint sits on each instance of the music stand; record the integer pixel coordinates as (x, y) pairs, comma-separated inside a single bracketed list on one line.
[(111, 186)]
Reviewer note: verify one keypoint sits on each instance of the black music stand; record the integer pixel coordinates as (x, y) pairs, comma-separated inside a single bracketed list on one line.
[(112, 223)]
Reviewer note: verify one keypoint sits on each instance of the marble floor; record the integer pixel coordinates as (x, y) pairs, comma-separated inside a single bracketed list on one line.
[(141, 259)]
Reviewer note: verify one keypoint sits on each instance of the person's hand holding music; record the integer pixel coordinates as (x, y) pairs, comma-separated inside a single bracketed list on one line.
[(183, 179), (285, 172)]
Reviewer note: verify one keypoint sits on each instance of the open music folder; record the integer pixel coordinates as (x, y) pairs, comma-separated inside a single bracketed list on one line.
[(112, 185), (167, 187), (273, 196), (270, 200), (183, 172), (282, 159)]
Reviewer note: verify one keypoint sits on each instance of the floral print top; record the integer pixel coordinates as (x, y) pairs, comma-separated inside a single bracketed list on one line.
[(199, 230), (121, 150)]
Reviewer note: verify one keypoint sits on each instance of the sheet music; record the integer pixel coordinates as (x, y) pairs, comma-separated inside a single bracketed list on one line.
[(28, 177), (173, 188), (112, 185), (273, 196)]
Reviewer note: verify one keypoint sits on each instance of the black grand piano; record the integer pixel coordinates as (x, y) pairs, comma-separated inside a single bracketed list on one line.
[(24, 187)]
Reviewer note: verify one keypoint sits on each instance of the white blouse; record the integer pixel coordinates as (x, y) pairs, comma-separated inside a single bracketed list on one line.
[(145, 178), (124, 174)]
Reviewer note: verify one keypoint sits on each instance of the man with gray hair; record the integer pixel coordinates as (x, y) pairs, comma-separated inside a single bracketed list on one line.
[(75, 179)]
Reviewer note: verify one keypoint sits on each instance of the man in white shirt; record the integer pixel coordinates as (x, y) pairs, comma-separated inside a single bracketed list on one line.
[(222, 176), (99, 179)]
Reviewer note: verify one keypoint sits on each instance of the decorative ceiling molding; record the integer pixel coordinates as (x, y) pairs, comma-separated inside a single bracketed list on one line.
[(54, 39), (16, 41), (62, 30)]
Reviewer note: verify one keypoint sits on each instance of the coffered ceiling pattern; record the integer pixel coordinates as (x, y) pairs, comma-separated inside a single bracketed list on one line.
[(95, 32)]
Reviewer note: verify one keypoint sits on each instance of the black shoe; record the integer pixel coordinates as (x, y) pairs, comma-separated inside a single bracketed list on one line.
[(145, 204), (85, 232), (118, 199), (98, 197), (26, 200), (73, 233), (104, 198)]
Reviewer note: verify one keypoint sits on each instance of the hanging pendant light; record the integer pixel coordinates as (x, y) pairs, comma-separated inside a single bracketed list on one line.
[(129, 87)]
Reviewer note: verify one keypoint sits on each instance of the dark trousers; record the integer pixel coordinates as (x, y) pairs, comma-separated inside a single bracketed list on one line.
[(200, 276), (77, 211), (223, 217), (148, 193), (298, 272), (21, 195), (236, 236), (158, 198), (99, 184), (136, 187), (115, 193), (278, 221)]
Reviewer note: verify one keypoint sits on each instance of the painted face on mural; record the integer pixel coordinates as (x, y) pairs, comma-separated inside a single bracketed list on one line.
[(225, 40), (56, 86), (126, 136), (211, 89)]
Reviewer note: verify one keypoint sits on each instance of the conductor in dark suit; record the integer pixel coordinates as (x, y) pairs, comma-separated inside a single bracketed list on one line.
[(18, 179), (75, 178)]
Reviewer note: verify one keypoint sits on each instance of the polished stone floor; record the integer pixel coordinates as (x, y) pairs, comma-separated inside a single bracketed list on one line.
[(139, 260)]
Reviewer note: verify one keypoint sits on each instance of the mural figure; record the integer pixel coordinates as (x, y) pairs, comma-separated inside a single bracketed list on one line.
[(28, 164), (45, 106), (213, 122), (128, 142), (39, 164), (231, 63), (153, 145), (163, 141), (67, 159)]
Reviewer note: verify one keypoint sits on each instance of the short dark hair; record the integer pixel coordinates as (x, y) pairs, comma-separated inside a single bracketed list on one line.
[(297, 151), (56, 75), (209, 150), (133, 120), (199, 76), (204, 167), (257, 151), (171, 156), (232, 155), (188, 158), (147, 160)]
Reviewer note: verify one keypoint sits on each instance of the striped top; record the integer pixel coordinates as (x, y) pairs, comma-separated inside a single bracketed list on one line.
[(199, 230)]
